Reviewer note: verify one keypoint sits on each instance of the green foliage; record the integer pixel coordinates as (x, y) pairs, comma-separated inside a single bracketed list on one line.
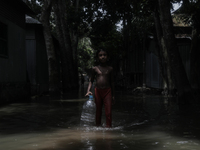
[(189, 13), (85, 55), (104, 35), (97, 20)]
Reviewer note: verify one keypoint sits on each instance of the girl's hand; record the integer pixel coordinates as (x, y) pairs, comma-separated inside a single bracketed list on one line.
[(113, 100), (88, 93)]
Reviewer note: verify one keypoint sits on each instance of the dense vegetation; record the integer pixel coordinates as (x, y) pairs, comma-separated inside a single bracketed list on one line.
[(82, 26)]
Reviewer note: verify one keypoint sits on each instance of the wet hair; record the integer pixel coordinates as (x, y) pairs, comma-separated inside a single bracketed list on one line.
[(99, 50), (97, 53)]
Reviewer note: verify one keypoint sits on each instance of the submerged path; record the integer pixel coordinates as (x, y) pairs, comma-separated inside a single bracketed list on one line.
[(139, 123)]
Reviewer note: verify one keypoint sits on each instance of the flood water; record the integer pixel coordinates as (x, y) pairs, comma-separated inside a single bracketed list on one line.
[(139, 123)]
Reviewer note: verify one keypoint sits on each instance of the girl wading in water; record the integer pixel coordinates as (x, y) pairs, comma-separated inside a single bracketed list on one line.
[(104, 88)]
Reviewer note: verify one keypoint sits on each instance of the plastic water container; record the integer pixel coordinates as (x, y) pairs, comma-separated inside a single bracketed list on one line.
[(88, 113)]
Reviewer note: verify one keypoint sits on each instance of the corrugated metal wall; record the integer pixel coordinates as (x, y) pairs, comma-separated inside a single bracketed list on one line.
[(184, 50), (37, 63), (13, 80), (31, 60), (134, 67), (16, 16), (153, 76)]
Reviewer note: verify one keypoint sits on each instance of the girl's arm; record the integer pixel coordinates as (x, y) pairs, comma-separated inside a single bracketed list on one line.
[(112, 87), (91, 80)]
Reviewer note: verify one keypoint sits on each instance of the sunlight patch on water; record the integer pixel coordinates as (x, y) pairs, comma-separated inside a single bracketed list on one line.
[(137, 124), (70, 100), (94, 128), (96, 138)]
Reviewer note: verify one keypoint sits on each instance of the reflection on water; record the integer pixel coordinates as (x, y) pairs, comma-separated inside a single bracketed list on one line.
[(139, 123)]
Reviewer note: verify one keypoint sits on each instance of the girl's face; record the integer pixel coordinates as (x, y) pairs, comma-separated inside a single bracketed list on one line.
[(103, 57)]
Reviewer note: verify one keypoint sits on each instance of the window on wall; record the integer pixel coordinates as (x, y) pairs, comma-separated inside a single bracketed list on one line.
[(3, 40)]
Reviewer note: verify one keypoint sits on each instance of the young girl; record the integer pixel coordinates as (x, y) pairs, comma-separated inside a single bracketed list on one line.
[(104, 88)]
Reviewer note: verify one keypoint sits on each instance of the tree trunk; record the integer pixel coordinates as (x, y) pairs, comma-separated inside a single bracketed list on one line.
[(68, 73), (168, 70), (181, 80), (54, 80), (193, 60), (74, 35), (163, 57), (63, 53)]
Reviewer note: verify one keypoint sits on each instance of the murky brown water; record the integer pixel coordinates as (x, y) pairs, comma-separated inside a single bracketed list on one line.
[(139, 123)]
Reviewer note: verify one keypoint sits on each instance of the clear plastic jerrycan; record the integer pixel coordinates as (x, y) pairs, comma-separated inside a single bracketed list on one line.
[(88, 112)]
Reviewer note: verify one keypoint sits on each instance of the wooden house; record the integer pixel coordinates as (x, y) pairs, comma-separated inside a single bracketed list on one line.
[(142, 64), (37, 63), (13, 72), (152, 71)]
